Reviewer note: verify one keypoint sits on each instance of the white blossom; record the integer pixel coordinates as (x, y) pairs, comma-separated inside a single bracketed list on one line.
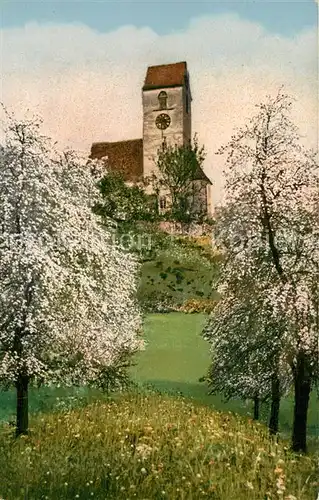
[(268, 230), (67, 295)]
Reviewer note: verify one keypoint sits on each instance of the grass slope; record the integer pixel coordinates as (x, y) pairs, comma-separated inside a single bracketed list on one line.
[(173, 280), (177, 269), (150, 447), (176, 357)]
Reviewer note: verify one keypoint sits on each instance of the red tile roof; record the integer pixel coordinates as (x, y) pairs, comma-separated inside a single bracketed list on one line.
[(165, 75), (127, 157), (123, 156)]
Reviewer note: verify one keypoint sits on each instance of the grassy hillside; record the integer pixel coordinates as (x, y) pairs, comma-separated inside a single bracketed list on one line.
[(168, 280), (175, 270), (176, 357), (150, 447)]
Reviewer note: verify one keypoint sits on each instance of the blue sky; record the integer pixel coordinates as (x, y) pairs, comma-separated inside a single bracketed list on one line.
[(281, 17)]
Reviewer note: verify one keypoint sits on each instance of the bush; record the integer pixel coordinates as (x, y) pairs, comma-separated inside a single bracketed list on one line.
[(198, 306), (157, 301)]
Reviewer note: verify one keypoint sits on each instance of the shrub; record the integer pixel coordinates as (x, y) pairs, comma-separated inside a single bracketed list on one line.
[(157, 301), (199, 306)]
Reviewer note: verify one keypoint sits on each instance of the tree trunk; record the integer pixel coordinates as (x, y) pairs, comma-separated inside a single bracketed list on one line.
[(302, 385), (275, 404), (256, 407), (22, 405)]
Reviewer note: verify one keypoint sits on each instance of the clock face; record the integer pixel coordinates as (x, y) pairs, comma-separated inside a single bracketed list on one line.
[(162, 121)]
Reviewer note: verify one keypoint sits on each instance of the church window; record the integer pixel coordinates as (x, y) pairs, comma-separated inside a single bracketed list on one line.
[(162, 99), (162, 202)]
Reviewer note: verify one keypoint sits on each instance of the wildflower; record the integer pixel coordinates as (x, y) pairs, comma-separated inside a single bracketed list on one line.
[(143, 450), (249, 485), (148, 429), (143, 470), (280, 485)]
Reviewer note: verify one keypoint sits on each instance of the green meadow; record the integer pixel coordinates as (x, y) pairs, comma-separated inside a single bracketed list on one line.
[(174, 359), (167, 438)]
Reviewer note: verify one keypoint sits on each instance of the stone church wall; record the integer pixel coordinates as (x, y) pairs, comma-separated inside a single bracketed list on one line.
[(152, 136)]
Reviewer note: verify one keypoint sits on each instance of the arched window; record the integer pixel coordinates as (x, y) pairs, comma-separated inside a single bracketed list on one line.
[(162, 99)]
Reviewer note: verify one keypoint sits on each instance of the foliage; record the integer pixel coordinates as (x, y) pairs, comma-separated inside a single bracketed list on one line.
[(203, 245), (67, 305), (179, 167), (160, 447), (153, 300), (122, 202), (268, 231), (143, 238), (199, 306)]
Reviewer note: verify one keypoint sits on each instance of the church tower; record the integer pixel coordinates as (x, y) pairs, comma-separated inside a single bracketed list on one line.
[(166, 110)]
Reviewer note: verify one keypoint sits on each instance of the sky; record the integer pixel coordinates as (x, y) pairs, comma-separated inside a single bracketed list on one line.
[(81, 65)]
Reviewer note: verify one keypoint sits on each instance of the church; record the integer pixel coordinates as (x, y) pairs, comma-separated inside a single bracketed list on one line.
[(167, 116)]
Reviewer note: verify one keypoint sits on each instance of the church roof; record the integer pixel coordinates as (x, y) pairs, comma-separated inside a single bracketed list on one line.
[(125, 157), (201, 176), (165, 75)]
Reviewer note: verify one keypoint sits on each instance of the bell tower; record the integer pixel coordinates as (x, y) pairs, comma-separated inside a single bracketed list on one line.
[(166, 101)]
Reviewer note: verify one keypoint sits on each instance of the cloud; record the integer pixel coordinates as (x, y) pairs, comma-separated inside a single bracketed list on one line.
[(87, 85)]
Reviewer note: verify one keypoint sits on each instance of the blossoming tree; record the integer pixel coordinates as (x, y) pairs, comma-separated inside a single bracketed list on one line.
[(246, 345), (68, 312), (268, 229)]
